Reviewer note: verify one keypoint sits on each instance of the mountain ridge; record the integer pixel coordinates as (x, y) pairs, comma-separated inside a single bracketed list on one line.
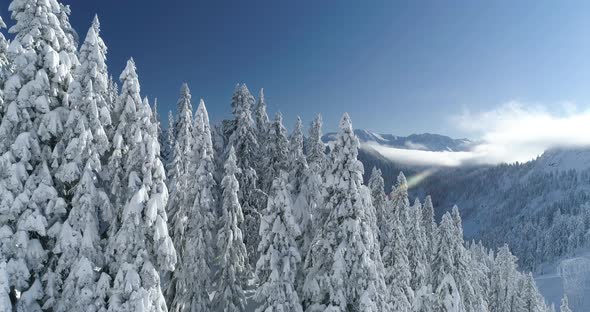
[(423, 141)]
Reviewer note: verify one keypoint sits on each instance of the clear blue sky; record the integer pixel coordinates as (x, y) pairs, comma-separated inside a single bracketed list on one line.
[(396, 67)]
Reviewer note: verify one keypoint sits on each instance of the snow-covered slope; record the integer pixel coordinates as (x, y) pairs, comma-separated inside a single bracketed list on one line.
[(564, 159), (569, 276)]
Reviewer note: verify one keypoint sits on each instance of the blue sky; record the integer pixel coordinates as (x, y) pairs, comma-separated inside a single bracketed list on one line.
[(396, 67)]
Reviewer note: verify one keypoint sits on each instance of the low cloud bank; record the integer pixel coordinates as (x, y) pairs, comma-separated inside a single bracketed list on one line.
[(509, 133)]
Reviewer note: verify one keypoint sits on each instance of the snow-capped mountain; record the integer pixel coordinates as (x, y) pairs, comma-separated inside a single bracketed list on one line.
[(425, 141)]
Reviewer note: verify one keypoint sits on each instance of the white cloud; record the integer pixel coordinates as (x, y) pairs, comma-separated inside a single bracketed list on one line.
[(511, 132)]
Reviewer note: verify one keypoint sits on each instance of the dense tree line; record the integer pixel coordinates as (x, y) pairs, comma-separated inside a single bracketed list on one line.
[(542, 213), (101, 210)]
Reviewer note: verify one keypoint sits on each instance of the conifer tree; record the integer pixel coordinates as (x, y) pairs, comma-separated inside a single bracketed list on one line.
[(429, 229), (400, 203), (504, 281), (243, 140), (86, 141), (308, 205), (279, 257), (377, 185), (417, 248), (182, 161), (277, 152), (397, 267), (447, 291), (5, 303), (531, 298), (168, 141), (262, 131), (32, 203), (191, 281), (315, 148), (232, 258), (5, 67), (139, 247), (344, 269), (297, 161), (564, 307)]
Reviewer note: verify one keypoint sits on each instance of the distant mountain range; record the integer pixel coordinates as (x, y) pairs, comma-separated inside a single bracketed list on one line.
[(425, 141)]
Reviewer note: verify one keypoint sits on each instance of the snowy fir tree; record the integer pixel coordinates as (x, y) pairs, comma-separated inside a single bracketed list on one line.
[(376, 184), (277, 266), (33, 207), (397, 267), (297, 161), (4, 66), (343, 271), (232, 258), (307, 208), (277, 158), (564, 307), (417, 248), (429, 228), (262, 131), (85, 141), (243, 140), (447, 292), (191, 281), (315, 147), (182, 170), (400, 202), (140, 246)]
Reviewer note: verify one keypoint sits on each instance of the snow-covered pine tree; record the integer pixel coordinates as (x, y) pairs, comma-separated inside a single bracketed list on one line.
[(182, 161), (243, 140), (344, 269), (417, 248), (112, 98), (191, 281), (32, 203), (400, 202), (308, 207), (504, 281), (157, 120), (140, 247), (457, 221), (85, 140), (315, 147), (124, 137), (429, 229), (297, 162), (262, 128), (5, 303), (532, 299), (377, 186), (564, 307), (168, 141), (464, 273), (447, 291), (232, 257), (277, 266), (181, 171), (204, 151), (277, 152), (397, 267), (5, 69)]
